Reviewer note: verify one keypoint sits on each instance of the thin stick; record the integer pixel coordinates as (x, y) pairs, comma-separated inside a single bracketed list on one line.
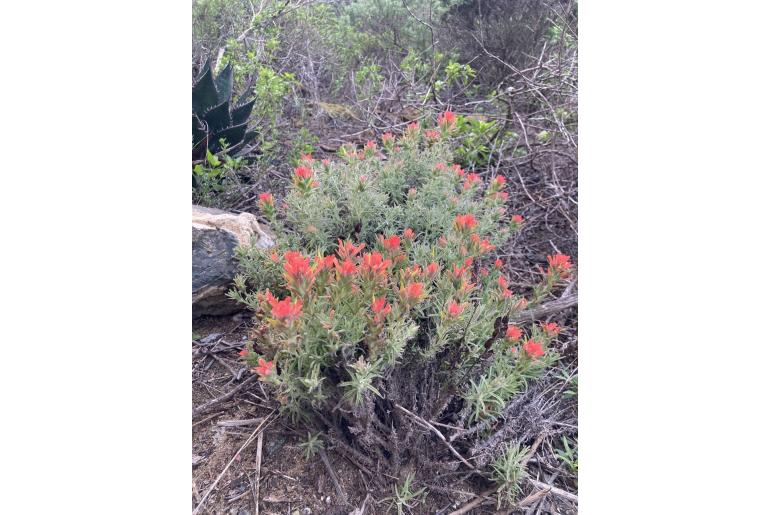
[(340, 492), (430, 426), (229, 463), (203, 408), (554, 490), (547, 308), (259, 470), (478, 500)]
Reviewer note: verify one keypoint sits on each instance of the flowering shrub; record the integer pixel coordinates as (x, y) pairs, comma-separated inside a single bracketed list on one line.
[(382, 292)]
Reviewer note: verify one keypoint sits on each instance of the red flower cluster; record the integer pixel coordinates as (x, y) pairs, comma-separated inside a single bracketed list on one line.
[(483, 245), (284, 310), (465, 222), (559, 264), (347, 268), (432, 135), (513, 333), (391, 243), (447, 119), (534, 349), (303, 172), (408, 234), (347, 249), (373, 264), (471, 180), (265, 368), (267, 204), (551, 329), (380, 309), (412, 292), (297, 268), (503, 283), (517, 219), (455, 309)]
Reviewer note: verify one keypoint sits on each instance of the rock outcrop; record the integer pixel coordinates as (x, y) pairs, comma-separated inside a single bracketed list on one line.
[(215, 236)]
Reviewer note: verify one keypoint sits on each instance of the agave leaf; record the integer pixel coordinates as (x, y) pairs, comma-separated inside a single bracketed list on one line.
[(249, 136), (206, 66), (218, 118), (204, 94), (241, 113), (224, 83), (198, 129), (232, 135)]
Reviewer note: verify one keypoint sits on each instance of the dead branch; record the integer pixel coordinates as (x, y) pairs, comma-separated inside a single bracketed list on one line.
[(545, 309), (204, 408)]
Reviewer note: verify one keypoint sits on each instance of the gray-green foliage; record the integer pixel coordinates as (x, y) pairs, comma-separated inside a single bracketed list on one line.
[(508, 471)]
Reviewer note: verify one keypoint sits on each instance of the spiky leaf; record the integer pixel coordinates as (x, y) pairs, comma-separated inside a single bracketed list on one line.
[(198, 129), (232, 135), (218, 118), (241, 113), (224, 83), (204, 94)]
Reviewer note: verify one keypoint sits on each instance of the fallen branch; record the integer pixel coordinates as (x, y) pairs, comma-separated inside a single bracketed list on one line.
[(204, 408), (430, 426), (340, 492), (554, 490), (478, 500), (545, 309)]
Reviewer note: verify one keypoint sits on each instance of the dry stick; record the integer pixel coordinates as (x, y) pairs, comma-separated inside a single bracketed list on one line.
[(478, 500), (203, 408), (430, 426), (229, 463), (236, 423), (554, 490), (545, 309), (340, 492), (258, 466)]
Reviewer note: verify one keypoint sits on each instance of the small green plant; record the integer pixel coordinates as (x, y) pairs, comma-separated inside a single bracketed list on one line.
[(475, 140), (571, 383), (213, 176), (302, 144), (215, 125), (569, 455), (404, 498), (508, 471), (312, 445)]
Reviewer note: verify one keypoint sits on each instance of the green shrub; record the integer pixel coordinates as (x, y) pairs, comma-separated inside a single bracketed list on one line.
[(382, 293)]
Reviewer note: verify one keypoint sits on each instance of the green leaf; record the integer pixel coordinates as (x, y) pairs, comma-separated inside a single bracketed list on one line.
[(212, 159), (224, 83), (233, 135), (241, 113), (204, 94), (218, 118)]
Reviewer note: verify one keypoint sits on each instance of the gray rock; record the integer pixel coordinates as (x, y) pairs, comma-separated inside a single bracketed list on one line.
[(215, 236)]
